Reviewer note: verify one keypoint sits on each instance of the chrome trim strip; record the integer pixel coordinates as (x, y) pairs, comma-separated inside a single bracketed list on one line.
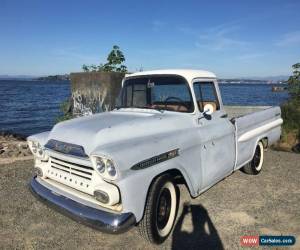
[(256, 131), (156, 159), (96, 218)]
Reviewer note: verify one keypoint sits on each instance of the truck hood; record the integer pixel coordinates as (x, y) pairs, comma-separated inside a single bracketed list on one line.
[(117, 126)]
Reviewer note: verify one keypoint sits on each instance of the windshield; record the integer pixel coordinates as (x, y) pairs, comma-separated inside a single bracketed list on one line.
[(157, 92)]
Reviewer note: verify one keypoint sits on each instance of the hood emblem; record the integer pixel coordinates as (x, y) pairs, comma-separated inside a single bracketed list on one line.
[(66, 148)]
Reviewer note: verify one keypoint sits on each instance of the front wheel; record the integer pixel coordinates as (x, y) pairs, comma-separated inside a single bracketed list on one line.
[(160, 210), (255, 165)]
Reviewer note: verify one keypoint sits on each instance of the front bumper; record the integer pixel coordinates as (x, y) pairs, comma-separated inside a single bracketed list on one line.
[(99, 219)]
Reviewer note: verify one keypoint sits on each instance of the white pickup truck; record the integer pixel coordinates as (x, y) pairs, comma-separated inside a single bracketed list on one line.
[(120, 169)]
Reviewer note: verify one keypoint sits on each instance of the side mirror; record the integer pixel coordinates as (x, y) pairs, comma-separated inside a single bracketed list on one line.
[(208, 109)]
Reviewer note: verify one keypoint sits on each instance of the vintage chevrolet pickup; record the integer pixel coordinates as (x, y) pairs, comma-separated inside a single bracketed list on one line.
[(120, 169)]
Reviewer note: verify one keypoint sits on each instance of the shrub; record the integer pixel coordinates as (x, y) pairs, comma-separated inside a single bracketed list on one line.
[(291, 111), (66, 111)]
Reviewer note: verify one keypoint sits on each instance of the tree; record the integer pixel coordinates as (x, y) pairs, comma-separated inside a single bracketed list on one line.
[(85, 68), (115, 60), (290, 111), (294, 83)]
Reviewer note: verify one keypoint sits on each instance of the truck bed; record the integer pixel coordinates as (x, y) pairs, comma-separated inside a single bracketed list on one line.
[(253, 123), (238, 111)]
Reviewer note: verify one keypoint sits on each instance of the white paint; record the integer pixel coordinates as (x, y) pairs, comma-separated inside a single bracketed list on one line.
[(188, 74), (111, 190), (257, 131)]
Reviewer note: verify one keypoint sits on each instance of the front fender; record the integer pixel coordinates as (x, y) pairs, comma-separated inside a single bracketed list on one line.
[(134, 187)]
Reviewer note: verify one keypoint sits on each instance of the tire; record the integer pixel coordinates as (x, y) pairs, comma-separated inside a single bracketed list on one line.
[(255, 165), (160, 210)]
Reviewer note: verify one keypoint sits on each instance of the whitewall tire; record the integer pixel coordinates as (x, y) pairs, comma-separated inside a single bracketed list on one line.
[(160, 210), (255, 165)]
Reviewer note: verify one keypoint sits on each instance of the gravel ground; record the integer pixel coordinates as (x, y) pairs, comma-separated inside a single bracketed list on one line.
[(239, 205)]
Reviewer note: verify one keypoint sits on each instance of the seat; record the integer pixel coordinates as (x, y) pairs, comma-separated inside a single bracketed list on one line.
[(207, 102), (172, 107)]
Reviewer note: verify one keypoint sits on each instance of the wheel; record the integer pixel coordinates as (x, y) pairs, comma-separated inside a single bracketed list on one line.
[(160, 210), (255, 165)]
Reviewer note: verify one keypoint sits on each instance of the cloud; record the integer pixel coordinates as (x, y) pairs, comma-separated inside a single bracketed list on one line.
[(218, 37), (289, 39)]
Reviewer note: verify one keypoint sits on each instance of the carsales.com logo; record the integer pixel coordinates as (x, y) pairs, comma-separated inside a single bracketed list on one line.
[(267, 240)]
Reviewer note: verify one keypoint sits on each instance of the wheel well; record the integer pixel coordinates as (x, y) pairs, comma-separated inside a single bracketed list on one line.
[(176, 175)]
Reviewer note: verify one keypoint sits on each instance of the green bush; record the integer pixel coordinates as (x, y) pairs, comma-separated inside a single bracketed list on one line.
[(66, 110), (291, 109)]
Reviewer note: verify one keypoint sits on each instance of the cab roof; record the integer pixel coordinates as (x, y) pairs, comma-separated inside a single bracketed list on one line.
[(188, 74)]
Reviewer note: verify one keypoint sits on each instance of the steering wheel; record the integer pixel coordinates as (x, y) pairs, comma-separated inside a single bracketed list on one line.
[(181, 102)]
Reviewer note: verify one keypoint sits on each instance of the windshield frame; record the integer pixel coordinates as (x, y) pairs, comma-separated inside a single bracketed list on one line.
[(184, 80)]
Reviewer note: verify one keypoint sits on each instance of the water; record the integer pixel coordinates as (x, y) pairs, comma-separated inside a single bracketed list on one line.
[(252, 94), (29, 107)]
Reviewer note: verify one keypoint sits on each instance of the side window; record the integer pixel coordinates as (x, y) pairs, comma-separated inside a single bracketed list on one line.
[(135, 95), (206, 94)]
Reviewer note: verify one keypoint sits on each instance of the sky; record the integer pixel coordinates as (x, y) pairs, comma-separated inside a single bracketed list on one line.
[(245, 38)]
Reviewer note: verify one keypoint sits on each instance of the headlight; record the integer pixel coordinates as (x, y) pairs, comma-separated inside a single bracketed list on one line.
[(37, 150), (100, 165), (111, 170), (105, 167)]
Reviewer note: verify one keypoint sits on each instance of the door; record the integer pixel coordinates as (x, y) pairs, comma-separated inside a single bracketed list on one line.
[(217, 136)]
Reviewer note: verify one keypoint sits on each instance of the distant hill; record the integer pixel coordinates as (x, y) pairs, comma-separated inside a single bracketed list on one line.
[(16, 77), (54, 78), (40, 78), (270, 79)]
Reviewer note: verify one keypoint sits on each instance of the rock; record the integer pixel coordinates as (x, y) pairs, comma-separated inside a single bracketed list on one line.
[(10, 153), (23, 145)]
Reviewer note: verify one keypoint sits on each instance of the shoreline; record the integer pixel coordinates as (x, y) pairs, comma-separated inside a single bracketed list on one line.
[(18, 136)]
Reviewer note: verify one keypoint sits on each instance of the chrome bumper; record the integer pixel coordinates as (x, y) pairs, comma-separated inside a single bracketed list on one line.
[(99, 219)]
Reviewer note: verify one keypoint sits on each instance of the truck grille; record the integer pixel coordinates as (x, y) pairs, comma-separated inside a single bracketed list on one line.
[(72, 168)]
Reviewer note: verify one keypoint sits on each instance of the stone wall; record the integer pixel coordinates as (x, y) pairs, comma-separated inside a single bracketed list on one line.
[(94, 92)]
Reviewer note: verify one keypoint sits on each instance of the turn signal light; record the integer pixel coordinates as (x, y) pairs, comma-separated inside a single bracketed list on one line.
[(101, 196)]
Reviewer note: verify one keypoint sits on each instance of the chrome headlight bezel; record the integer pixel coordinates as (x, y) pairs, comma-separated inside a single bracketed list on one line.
[(108, 171), (37, 150)]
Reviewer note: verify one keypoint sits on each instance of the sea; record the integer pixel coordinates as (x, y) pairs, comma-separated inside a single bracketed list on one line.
[(31, 106)]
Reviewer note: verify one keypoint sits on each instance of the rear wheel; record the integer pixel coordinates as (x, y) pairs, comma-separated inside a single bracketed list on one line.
[(255, 165), (160, 211)]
